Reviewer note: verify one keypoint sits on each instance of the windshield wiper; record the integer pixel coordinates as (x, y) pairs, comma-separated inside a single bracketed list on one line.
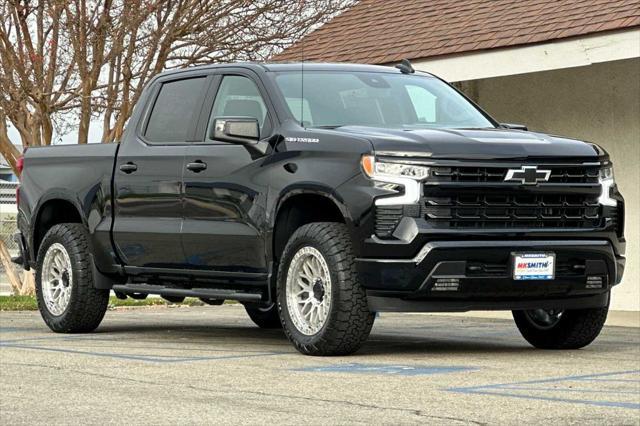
[(327, 126)]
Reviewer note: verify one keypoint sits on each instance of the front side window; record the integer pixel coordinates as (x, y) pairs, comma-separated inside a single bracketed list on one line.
[(172, 116), (340, 98), (238, 96)]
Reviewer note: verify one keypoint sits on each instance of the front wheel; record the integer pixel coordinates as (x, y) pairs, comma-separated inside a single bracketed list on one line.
[(558, 329), (323, 307)]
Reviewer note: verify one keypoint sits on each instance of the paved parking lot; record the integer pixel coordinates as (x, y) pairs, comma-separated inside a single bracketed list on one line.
[(211, 365)]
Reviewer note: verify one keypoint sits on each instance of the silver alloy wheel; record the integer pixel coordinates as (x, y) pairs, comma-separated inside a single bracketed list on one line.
[(544, 319), (308, 290), (57, 279)]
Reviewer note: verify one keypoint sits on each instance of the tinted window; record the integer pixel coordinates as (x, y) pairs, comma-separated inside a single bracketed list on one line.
[(238, 97), (174, 110)]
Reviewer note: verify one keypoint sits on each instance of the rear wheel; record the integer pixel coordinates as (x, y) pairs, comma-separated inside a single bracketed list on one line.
[(67, 299), (323, 307), (264, 316), (558, 329)]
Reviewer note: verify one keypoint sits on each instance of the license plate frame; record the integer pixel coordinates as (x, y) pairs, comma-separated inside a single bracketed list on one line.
[(543, 273)]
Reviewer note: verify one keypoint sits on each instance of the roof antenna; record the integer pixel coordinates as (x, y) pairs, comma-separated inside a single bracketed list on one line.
[(302, 83), (405, 67)]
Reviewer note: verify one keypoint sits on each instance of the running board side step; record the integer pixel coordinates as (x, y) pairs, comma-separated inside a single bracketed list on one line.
[(202, 293)]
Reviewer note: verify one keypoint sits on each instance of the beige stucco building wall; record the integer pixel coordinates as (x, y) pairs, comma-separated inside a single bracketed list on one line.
[(598, 103)]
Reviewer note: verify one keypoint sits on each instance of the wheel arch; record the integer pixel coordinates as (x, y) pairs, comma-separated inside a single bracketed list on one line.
[(55, 208), (301, 205)]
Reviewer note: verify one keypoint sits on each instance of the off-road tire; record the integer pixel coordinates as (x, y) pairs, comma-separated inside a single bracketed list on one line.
[(87, 304), (349, 320), (264, 316), (575, 329)]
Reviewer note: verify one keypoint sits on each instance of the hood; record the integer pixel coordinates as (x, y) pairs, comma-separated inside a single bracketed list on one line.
[(475, 144)]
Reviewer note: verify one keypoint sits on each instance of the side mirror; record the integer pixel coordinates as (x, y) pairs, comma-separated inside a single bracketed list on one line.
[(240, 130), (514, 126)]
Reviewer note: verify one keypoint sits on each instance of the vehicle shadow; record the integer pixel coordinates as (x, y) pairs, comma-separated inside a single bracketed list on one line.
[(379, 343), (389, 345)]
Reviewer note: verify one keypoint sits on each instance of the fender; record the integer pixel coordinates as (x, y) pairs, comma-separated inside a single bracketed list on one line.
[(92, 212), (312, 188), (304, 188), (53, 194)]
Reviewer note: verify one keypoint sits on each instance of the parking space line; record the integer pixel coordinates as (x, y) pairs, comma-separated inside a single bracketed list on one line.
[(58, 337), (571, 390), (501, 389), (146, 358), (614, 404), (16, 329), (385, 369)]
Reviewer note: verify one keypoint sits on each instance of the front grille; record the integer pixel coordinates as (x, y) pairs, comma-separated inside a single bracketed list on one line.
[(559, 174), (563, 268), (475, 197), (568, 199), (512, 210), (479, 269)]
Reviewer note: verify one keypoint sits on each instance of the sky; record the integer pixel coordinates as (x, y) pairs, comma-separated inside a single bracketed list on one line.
[(95, 133)]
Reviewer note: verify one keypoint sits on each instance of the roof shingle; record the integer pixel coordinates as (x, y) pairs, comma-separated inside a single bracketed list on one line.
[(383, 31)]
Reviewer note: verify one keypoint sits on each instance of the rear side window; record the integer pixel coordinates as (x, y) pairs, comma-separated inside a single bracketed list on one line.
[(174, 109)]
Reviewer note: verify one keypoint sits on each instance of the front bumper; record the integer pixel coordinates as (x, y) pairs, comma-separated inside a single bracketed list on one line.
[(397, 304), (468, 275)]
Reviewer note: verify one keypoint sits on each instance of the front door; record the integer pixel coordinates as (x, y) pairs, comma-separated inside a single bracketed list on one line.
[(148, 177), (224, 194)]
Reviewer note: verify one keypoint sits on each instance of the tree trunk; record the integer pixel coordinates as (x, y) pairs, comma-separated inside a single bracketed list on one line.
[(7, 149), (85, 111), (28, 284), (14, 278), (85, 120)]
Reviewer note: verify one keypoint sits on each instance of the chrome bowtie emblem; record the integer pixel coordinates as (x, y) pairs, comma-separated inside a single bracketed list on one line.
[(527, 175)]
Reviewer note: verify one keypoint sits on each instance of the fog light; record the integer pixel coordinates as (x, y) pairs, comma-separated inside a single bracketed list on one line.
[(446, 284), (594, 282)]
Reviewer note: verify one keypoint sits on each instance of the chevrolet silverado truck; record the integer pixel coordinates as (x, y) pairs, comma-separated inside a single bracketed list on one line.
[(318, 195)]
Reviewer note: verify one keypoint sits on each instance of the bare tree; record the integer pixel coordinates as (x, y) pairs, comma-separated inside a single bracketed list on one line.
[(194, 32), (35, 73), (66, 62)]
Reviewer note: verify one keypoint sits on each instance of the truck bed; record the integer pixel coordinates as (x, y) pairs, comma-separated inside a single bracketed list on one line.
[(79, 174)]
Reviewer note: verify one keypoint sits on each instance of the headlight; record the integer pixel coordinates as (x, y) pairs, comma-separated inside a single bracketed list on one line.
[(606, 173), (395, 176), (377, 169), (606, 184)]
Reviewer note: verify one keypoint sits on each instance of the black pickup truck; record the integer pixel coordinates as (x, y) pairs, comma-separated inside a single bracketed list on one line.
[(318, 195)]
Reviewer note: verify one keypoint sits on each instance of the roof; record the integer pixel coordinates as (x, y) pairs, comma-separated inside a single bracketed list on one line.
[(287, 66), (385, 31), (325, 66)]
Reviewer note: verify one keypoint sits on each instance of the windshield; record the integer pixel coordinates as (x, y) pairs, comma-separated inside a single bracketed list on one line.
[(337, 98)]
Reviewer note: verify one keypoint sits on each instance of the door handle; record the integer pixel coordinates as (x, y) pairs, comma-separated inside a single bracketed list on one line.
[(129, 167), (197, 166)]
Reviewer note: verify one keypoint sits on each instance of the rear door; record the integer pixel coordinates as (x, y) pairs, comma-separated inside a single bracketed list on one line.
[(148, 175), (224, 196)]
